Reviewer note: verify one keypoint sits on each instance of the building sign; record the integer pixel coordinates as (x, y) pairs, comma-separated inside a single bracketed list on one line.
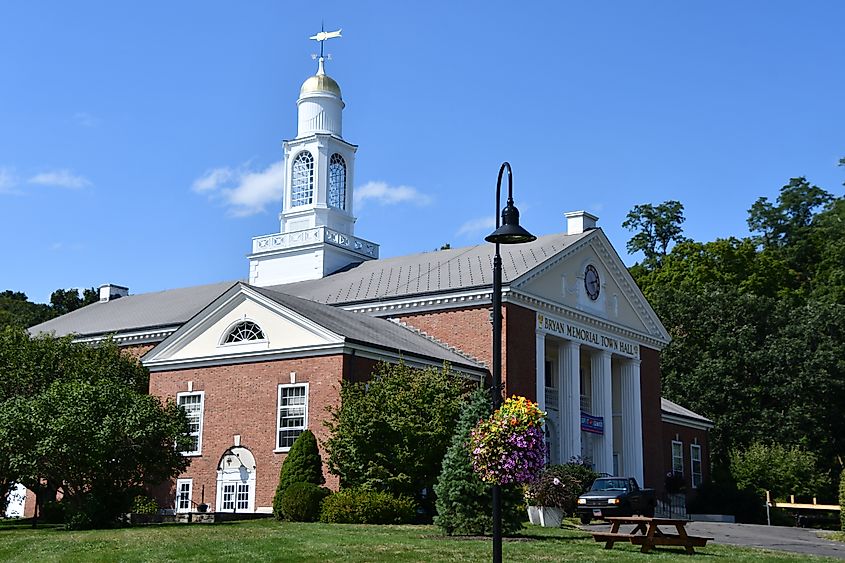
[(593, 424), (570, 331)]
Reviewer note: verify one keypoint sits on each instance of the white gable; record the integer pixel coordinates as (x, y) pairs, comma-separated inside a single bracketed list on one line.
[(204, 337), (561, 283)]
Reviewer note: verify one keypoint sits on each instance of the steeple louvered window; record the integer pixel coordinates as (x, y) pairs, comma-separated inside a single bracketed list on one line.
[(337, 182), (302, 180)]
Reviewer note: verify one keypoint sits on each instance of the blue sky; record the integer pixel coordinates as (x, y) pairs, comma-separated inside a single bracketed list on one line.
[(112, 113)]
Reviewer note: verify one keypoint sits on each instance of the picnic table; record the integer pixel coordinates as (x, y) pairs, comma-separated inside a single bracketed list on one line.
[(647, 533)]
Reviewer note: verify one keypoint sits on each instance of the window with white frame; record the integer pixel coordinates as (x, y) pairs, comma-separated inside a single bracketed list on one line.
[(677, 457), (183, 495), (337, 182), (228, 497), (695, 464), (245, 331), (192, 403), (302, 180), (293, 413)]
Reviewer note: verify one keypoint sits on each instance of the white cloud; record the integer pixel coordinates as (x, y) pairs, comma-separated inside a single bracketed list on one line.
[(385, 194), (85, 119), (246, 192), (60, 179), (477, 226), (7, 180)]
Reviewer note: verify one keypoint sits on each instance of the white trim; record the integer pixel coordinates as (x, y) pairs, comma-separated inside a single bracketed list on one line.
[(142, 336), (221, 342), (683, 421), (279, 448), (692, 466), (198, 451), (421, 303), (179, 483)]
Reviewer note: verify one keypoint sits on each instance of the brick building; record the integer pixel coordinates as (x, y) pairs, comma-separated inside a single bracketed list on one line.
[(256, 363)]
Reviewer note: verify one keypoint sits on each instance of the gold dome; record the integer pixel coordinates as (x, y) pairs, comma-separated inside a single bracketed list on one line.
[(320, 82)]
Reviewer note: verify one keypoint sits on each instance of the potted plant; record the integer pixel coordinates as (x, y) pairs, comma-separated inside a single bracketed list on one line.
[(551, 495), (509, 447)]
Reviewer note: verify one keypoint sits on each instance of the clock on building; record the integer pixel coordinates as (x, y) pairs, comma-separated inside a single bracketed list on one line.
[(591, 282)]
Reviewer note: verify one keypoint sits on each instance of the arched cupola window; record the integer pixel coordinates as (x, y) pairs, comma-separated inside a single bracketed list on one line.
[(337, 182), (244, 332), (302, 180)]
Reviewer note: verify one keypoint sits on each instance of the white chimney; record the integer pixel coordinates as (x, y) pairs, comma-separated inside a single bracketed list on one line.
[(579, 221), (109, 291)]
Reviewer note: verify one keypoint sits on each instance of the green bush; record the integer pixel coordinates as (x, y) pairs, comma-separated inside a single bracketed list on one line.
[(559, 486), (302, 502), (747, 506), (365, 506), (842, 500), (143, 504), (782, 470), (464, 502), (302, 465)]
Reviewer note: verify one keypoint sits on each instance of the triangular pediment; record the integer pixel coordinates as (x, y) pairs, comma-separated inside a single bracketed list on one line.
[(204, 338), (589, 279)]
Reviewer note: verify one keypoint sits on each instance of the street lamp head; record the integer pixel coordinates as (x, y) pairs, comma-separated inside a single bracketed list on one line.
[(510, 232)]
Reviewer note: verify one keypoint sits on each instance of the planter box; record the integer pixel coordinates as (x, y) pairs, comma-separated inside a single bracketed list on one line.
[(545, 516)]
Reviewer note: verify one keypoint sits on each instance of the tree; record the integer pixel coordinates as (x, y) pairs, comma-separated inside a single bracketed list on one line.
[(464, 501), (303, 464), (392, 432), (782, 470), (64, 301), (787, 222), (657, 226), (76, 419), (17, 310)]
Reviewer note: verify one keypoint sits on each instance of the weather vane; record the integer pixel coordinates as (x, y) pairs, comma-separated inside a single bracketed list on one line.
[(323, 36)]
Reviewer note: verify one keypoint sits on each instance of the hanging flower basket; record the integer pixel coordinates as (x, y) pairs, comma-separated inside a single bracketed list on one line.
[(509, 446)]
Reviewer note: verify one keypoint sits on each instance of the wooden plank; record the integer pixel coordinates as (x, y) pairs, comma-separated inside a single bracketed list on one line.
[(605, 536), (806, 506)]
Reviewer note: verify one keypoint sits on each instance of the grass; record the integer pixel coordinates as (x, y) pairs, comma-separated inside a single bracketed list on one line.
[(268, 540)]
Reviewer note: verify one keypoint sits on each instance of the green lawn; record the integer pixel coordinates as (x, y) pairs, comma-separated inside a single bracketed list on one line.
[(267, 540)]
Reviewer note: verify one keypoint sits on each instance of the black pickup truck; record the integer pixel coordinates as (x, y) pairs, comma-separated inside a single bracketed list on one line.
[(615, 496)]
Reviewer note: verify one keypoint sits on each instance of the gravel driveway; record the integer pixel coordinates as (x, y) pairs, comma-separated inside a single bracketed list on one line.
[(794, 540)]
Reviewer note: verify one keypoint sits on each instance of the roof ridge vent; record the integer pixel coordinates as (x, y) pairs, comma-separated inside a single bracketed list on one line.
[(579, 221)]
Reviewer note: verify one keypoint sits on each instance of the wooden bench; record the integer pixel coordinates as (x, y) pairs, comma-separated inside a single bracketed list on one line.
[(647, 534)]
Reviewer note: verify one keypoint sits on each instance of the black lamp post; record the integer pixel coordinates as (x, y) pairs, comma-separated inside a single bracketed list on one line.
[(509, 232)]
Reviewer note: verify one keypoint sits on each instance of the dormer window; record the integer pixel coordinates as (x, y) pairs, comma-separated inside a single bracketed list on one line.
[(245, 331)]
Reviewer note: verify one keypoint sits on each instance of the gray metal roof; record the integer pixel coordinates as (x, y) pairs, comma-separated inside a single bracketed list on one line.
[(669, 407), (369, 330), (428, 272), (389, 278), (172, 307)]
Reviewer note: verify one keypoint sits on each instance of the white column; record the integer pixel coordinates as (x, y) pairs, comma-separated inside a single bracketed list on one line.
[(569, 400), (603, 407), (541, 371), (632, 421)]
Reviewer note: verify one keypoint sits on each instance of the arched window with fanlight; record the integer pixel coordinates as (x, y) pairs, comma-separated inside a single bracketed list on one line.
[(302, 180), (337, 182), (245, 331)]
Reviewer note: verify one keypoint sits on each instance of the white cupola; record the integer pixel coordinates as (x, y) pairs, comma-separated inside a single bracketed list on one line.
[(316, 235)]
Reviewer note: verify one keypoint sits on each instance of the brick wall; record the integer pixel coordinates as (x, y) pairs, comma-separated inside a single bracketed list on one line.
[(686, 436), (242, 399), (653, 469)]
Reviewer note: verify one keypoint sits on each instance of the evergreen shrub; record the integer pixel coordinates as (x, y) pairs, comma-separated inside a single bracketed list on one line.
[(301, 502), (143, 504), (464, 502), (556, 486), (302, 465), (366, 506)]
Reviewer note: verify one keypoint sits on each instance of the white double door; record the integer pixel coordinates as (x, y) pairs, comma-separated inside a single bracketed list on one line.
[(235, 490)]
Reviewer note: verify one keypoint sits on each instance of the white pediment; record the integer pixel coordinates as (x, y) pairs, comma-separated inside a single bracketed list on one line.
[(564, 282), (204, 337)]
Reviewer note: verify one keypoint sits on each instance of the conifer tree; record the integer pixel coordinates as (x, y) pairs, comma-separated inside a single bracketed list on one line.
[(464, 501), (302, 465)]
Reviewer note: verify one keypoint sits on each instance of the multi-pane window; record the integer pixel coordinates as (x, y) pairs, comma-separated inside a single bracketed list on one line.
[(228, 497), (302, 180), (244, 332), (337, 182), (192, 404), (695, 465), (243, 496), (677, 458), (183, 495), (293, 413)]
